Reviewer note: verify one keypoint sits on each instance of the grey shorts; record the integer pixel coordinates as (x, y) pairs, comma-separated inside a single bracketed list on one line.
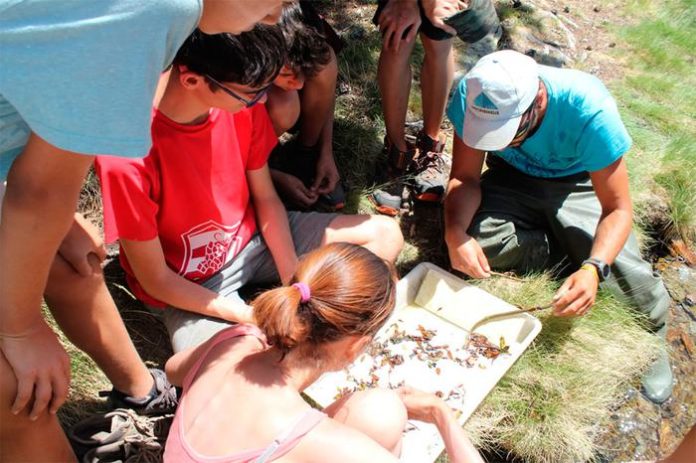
[(253, 265)]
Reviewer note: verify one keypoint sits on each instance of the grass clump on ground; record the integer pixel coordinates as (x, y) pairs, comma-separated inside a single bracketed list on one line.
[(549, 405), (658, 99)]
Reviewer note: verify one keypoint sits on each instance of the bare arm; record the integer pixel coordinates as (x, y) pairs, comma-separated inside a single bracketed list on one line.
[(577, 294), (461, 203), (431, 409), (320, 93), (272, 222), (146, 258), (42, 190)]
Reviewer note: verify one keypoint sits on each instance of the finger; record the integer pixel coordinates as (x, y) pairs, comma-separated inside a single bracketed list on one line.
[(565, 287), (565, 300), (25, 386), (100, 252), (483, 262), (42, 396), (412, 32), (319, 181), (60, 393), (574, 307)]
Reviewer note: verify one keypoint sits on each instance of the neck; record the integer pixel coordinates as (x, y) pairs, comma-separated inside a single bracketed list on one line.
[(181, 105), (300, 374), (542, 103)]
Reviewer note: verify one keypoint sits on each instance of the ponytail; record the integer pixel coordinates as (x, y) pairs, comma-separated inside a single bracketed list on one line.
[(338, 290)]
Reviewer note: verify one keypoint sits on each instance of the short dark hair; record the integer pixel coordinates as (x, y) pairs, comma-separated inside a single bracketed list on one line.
[(252, 58), (308, 50)]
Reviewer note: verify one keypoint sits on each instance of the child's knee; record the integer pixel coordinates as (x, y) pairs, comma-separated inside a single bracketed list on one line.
[(379, 413), (62, 275), (387, 231)]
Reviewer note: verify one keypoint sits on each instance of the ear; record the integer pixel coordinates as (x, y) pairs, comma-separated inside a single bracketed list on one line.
[(189, 79), (356, 345)]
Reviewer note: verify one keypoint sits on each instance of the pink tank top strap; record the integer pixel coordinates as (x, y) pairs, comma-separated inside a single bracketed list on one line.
[(228, 333), (288, 439)]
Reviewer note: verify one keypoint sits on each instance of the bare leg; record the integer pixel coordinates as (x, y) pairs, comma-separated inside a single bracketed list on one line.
[(22, 439), (318, 97), (394, 79), (86, 313), (436, 80), (379, 234), (378, 413), (283, 108)]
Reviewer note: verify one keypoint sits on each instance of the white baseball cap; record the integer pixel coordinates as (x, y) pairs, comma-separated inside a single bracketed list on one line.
[(499, 89)]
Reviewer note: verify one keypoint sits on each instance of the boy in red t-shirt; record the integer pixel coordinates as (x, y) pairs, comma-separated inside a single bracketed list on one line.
[(187, 215)]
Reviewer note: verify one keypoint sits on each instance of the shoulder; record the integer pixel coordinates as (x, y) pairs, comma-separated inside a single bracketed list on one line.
[(576, 92)]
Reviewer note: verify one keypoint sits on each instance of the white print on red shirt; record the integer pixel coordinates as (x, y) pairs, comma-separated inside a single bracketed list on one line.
[(207, 247)]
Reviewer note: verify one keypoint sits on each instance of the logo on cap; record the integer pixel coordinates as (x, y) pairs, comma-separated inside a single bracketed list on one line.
[(484, 104)]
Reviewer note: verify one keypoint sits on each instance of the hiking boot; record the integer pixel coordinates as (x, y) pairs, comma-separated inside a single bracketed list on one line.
[(162, 398), (120, 435), (430, 169), (334, 201), (393, 197)]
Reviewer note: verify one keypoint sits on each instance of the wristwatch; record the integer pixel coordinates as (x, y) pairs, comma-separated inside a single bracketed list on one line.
[(603, 269)]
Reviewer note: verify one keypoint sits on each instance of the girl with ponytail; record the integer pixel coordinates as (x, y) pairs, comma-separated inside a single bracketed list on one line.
[(241, 399)]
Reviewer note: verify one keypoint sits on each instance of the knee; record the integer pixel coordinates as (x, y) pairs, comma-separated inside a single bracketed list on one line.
[(283, 109), (62, 275), (387, 237), (436, 50), (379, 413)]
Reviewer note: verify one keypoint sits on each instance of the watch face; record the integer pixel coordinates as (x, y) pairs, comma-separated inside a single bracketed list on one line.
[(604, 270)]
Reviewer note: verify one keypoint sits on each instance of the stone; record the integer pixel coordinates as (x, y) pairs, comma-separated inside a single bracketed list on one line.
[(545, 38)]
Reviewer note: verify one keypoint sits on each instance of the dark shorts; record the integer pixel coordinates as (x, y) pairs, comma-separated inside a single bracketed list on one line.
[(314, 19), (427, 28)]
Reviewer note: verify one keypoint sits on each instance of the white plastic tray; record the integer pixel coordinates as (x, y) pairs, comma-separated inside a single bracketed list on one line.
[(459, 303)]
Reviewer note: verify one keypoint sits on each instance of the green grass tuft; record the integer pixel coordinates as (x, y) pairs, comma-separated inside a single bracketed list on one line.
[(658, 99), (549, 405)]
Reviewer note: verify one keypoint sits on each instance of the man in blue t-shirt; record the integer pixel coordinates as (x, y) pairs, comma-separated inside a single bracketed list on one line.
[(555, 193), (77, 79)]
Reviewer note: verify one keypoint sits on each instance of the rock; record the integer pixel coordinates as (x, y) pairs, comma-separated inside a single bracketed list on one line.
[(566, 9), (545, 38), (666, 437), (612, 44), (596, 9), (688, 344), (468, 54)]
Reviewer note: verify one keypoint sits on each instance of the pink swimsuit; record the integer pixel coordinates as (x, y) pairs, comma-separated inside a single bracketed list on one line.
[(178, 450)]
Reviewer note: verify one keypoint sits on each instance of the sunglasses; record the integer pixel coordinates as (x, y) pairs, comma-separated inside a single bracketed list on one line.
[(247, 102)]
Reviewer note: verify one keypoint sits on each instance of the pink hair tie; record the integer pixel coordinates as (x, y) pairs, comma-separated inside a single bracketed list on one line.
[(304, 291)]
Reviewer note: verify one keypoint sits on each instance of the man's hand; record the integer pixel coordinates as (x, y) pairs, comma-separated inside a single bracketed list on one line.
[(41, 366), (399, 17), (577, 294), (83, 240), (467, 256), (293, 190), (438, 10), (327, 175)]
